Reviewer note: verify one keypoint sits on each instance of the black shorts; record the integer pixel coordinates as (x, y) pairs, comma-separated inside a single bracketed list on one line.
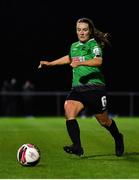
[(94, 98)]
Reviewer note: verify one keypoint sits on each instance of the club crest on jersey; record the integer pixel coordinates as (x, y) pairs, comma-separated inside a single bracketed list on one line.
[(78, 59)]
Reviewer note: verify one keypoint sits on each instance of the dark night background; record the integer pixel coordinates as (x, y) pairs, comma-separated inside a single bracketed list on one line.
[(35, 29)]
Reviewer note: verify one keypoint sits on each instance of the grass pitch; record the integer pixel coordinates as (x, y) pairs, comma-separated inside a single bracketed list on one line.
[(49, 134)]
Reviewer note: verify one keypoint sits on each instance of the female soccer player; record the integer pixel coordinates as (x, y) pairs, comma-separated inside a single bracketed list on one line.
[(88, 85)]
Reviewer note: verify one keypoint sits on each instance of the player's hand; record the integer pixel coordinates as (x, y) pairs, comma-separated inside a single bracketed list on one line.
[(40, 66), (46, 63), (74, 64)]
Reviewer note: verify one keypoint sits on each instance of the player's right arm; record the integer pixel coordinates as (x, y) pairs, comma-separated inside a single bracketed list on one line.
[(61, 61)]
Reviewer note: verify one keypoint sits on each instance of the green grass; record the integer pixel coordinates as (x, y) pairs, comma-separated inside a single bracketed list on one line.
[(49, 134)]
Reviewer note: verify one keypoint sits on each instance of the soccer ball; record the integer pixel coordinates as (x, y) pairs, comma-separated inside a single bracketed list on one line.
[(28, 155)]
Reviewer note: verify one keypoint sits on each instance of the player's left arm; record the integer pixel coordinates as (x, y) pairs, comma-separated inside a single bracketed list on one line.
[(96, 61)]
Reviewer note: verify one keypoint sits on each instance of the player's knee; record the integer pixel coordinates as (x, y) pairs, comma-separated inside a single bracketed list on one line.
[(105, 123), (104, 119)]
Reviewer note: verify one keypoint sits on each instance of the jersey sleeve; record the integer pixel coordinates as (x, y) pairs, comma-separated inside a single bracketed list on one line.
[(97, 51)]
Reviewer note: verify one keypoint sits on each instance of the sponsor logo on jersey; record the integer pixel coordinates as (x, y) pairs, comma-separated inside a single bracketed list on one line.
[(78, 59)]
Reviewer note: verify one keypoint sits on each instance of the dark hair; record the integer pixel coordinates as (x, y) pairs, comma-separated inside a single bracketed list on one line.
[(100, 37)]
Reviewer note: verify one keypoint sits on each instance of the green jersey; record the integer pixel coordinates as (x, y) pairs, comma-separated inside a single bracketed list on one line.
[(85, 75)]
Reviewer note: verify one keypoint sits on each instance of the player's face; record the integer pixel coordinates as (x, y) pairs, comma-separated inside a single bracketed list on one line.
[(83, 31)]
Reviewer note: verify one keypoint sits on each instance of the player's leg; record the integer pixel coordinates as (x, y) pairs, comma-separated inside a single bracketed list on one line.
[(72, 109), (111, 126)]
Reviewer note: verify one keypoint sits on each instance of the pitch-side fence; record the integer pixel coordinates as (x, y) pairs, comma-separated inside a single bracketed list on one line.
[(51, 103)]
